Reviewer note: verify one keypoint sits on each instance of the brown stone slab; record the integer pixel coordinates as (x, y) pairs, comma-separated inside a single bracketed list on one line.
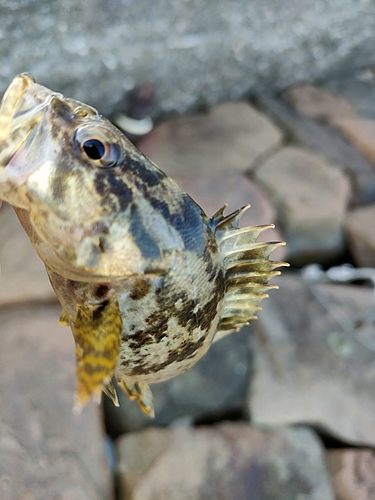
[(361, 132), (352, 473), (317, 102), (310, 198), (327, 140), (314, 360), (360, 231), (231, 137), (22, 274), (46, 452), (225, 462)]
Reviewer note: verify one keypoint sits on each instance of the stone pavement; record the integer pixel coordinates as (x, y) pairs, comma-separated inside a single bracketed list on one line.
[(297, 385), (46, 452)]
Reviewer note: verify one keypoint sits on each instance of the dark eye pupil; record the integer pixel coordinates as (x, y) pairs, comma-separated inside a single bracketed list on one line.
[(94, 149)]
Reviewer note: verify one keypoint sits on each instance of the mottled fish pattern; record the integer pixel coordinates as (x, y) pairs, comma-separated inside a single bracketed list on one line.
[(146, 280)]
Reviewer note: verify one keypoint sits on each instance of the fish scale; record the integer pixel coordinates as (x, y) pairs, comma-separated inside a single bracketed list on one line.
[(146, 279)]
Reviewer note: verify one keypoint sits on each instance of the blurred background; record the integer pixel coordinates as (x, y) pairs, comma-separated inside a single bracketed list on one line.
[(266, 102)]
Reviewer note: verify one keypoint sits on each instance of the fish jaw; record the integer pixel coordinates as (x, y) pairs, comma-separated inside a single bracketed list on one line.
[(22, 109)]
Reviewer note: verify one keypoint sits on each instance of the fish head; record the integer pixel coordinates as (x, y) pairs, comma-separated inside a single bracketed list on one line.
[(81, 182)]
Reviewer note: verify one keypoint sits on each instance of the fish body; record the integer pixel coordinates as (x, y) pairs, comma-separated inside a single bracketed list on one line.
[(147, 281)]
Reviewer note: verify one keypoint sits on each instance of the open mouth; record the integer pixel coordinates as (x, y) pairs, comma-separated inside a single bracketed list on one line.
[(22, 108)]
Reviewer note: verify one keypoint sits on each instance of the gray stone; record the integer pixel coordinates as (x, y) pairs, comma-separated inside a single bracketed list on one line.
[(227, 462), (46, 452), (193, 51), (314, 355), (23, 276), (359, 226), (231, 137), (353, 473), (317, 102), (214, 388), (310, 197), (327, 140)]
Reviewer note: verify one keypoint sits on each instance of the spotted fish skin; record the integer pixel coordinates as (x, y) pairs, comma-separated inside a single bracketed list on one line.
[(146, 280)]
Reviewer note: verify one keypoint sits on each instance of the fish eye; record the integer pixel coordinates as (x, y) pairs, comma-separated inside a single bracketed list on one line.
[(98, 146), (94, 149)]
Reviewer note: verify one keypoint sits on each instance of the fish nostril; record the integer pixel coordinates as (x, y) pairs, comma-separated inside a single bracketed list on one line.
[(61, 108)]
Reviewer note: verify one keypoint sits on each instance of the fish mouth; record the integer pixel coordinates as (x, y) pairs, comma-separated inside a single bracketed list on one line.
[(22, 108)]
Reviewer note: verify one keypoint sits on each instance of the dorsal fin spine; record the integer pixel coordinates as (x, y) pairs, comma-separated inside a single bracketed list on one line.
[(247, 268)]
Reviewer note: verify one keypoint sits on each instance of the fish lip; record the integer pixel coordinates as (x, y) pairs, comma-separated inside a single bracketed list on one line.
[(22, 108)]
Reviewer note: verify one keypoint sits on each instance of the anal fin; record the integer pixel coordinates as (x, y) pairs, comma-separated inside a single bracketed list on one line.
[(141, 392)]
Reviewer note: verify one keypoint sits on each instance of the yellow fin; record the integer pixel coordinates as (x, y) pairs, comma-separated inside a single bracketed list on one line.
[(141, 392), (97, 336), (247, 269), (64, 319)]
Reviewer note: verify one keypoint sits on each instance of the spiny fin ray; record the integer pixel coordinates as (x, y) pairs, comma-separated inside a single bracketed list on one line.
[(110, 391), (247, 268), (141, 392)]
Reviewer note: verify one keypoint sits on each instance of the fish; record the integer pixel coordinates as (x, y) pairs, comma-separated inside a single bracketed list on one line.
[(146, 280)]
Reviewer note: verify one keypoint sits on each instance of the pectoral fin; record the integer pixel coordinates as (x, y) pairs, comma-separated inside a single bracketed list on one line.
[(96, 333)]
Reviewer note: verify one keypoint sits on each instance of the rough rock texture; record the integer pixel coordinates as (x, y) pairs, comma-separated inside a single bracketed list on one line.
[(46, 452), (314, 359), (215, 387), (352, 473), (359, 226), (317, 102), (22, 274), (361, 132), (230, 137), (193, 51), (327, 140), (310, 197), (227, 462)]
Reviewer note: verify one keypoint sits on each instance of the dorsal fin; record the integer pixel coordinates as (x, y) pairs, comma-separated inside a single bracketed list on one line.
[(247, 269)]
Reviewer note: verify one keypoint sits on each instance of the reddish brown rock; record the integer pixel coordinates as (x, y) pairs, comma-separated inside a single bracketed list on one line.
[(310, 197), (314, 359), (46, 452), (231, 137), (360, 231), (227, 462), (318, 103), (352, 473), (327, 140), (361, 132), (22, 274)]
